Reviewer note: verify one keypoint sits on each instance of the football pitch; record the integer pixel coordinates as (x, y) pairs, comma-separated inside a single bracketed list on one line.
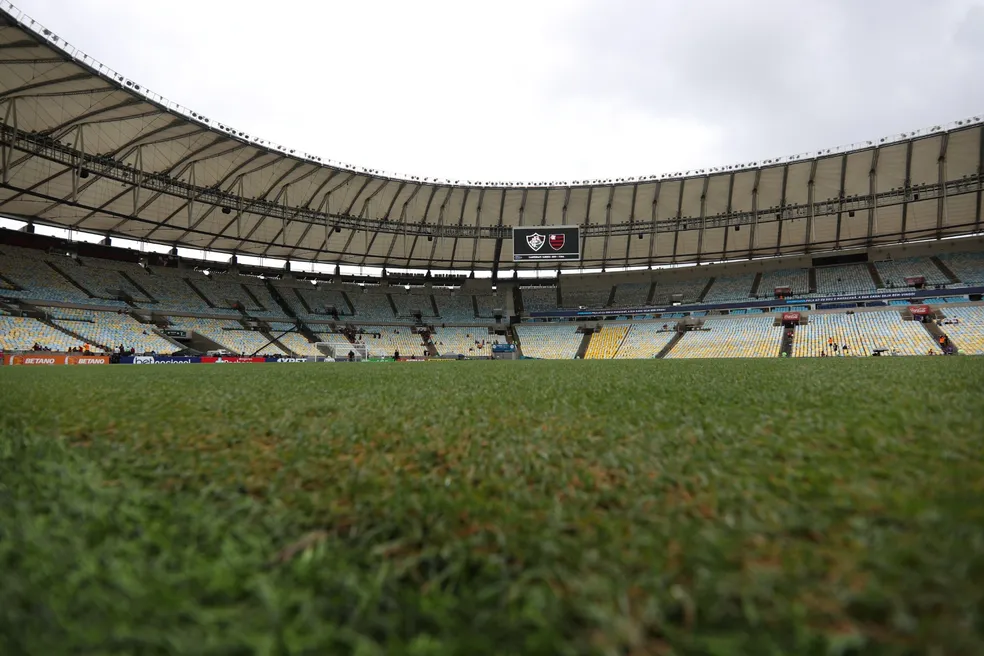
[(638, 507)]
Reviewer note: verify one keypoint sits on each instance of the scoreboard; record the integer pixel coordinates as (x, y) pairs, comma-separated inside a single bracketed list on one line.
[(546, 243)]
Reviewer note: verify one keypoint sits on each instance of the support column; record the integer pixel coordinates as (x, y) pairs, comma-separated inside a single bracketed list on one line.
[(679, 217), (941, 204), (782, 209), (703, 217), (811, 210), (727, 223), (10, 121), (840, 202), (654, 218), (907, 191), (755, 214), (873, 195)]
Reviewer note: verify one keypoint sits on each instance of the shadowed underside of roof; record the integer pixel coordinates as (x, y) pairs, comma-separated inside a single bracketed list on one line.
[(85, 149)]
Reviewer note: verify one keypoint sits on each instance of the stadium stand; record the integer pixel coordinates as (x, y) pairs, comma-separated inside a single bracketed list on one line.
[(383, 341), (606, 342), (465, 341), (894, 272), (539, 299), (312, 301), (811, 340), (28, 269), (371, 306), (223, 290), (887, 330), (407, 302), (229, 335), (731, 338), (730, 288), (170, 290), (21, 333), (455, 308), (645, 340), (259, 291), (111, 329), (296, 343), (844, 279), (689, 289), (573, 297), (968, 267), (103, 278), (632, 294), (486, 307), (968, 335), (549, 341), (796, 279)]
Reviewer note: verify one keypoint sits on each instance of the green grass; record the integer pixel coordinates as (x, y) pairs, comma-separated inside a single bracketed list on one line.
[(651, 507)]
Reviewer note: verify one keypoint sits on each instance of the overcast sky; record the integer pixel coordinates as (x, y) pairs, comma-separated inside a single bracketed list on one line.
[(545, 89)]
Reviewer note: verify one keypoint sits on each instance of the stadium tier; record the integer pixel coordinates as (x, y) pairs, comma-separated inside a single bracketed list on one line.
[(455, 308), (862, 333), (894, 272), (471, 342), (384, 341), (539, 299), (111, 329), (592, 298), (645, 341), (797, 280), (410, 303), (229, 335), (549, 341), (311, 302), (731, 338), (606, 342), (730, 288), (372, 304), (487, 305), (36, 278), (688, 291), (170, 290), (967, 267), (297, 343), (847, 279), (22, 333), (85, 287), (887, 330), (824, 330), (632, 294), (968, 333)]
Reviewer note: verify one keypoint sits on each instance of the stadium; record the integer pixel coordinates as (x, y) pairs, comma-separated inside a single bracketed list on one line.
[(732, 490)]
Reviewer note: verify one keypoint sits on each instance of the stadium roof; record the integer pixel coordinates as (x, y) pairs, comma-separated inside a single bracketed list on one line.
[(85, 148)]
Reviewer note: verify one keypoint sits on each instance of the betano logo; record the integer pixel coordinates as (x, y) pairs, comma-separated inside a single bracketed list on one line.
[(34, 360)]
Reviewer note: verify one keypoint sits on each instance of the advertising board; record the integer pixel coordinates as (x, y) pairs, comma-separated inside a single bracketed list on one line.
[(44, 359)]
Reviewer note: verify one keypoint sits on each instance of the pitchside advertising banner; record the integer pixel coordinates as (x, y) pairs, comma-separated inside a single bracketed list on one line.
[(43, 360), (547, 243), (225, 359)]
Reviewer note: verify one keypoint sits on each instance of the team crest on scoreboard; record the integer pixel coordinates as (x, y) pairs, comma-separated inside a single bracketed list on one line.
[(557, 240), (536, 241)]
